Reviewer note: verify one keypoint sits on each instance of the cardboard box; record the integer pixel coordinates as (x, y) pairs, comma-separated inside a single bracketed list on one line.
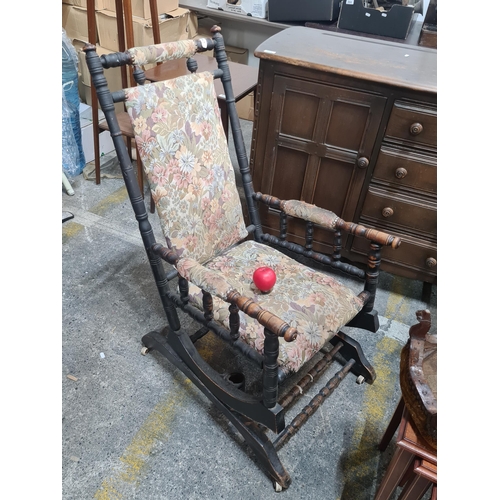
[(234, 54), (85, 92), (99, 4), (142, 8), (245, 107), (254, 8), (393, 23), (74, 21), (105, 141), (113, 75), (181, 25), (237, 54), (300, 11)]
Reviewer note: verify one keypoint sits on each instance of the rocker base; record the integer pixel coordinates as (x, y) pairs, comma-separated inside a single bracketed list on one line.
[(266, 452), (257, 440)]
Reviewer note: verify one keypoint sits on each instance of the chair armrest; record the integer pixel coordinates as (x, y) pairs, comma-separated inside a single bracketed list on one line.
[(328, 219), (214, 282)]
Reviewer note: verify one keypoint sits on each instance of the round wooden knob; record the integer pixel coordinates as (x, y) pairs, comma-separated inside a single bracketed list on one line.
[(401, 173), (431, 262), (387, 212), (363, 162), (416, 128)]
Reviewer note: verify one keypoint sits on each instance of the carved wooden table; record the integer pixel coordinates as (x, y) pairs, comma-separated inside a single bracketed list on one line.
[(414, 464)]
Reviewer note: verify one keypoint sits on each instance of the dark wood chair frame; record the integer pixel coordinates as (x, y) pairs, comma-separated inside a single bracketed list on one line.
[(247, 413)]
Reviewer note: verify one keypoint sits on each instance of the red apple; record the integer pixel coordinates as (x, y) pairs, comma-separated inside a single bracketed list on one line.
[(264, 279)]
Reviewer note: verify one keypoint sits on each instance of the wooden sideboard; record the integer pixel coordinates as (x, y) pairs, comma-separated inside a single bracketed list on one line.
[(349, 124)]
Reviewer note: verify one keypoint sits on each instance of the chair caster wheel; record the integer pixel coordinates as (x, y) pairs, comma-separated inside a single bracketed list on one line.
[(277, 487), (360, 380), (144, 351)]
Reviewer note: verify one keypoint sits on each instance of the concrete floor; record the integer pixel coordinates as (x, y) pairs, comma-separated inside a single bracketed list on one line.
[(134, 427)]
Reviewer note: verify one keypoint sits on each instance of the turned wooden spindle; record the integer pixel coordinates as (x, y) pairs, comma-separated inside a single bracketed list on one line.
[(265, 318), (309, 235), (308, 379), (192, 64), (165, 253), (283, 225), (308, 410), (371, 234), (234, 322), (208, 306), (337, 245), (372, 274), (139, 75), (270, 377), (184, 289)]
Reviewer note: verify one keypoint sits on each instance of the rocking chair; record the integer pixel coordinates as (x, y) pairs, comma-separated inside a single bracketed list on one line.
[(212, 253)]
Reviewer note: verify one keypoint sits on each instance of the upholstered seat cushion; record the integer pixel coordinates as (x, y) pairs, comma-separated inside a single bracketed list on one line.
[(313, 302)]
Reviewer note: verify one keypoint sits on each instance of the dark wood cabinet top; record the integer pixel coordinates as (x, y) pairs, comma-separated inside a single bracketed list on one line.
[(408, 67)]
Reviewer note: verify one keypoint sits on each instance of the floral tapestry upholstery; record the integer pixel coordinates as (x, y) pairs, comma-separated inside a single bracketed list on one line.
[(162, 52), (313, 302), (311, 213), (183, 148)]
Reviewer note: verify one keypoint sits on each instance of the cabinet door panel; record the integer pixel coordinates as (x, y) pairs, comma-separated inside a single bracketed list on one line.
[(332, 186), (300, 112), (285, 185), (331, 126), (347, 124)]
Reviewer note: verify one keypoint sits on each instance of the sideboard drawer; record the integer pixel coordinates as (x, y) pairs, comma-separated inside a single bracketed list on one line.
[(395, 208), (412, 123), (404, 168)]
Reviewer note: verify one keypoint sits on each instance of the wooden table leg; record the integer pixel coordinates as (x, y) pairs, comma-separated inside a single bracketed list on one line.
[(393, 425), (396, 470), (434, 494), (415, 488)]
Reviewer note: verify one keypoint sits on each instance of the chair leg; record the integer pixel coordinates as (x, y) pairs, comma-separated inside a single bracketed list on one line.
[(393, 426), (397, 468), (434, 494), (257, 440), (367, 320), (415, 488)]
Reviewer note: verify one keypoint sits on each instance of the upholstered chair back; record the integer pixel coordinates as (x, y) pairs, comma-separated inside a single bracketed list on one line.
[(183, 148)]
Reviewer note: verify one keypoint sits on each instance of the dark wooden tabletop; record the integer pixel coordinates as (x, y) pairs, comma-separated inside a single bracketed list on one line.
[(406, 66)]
